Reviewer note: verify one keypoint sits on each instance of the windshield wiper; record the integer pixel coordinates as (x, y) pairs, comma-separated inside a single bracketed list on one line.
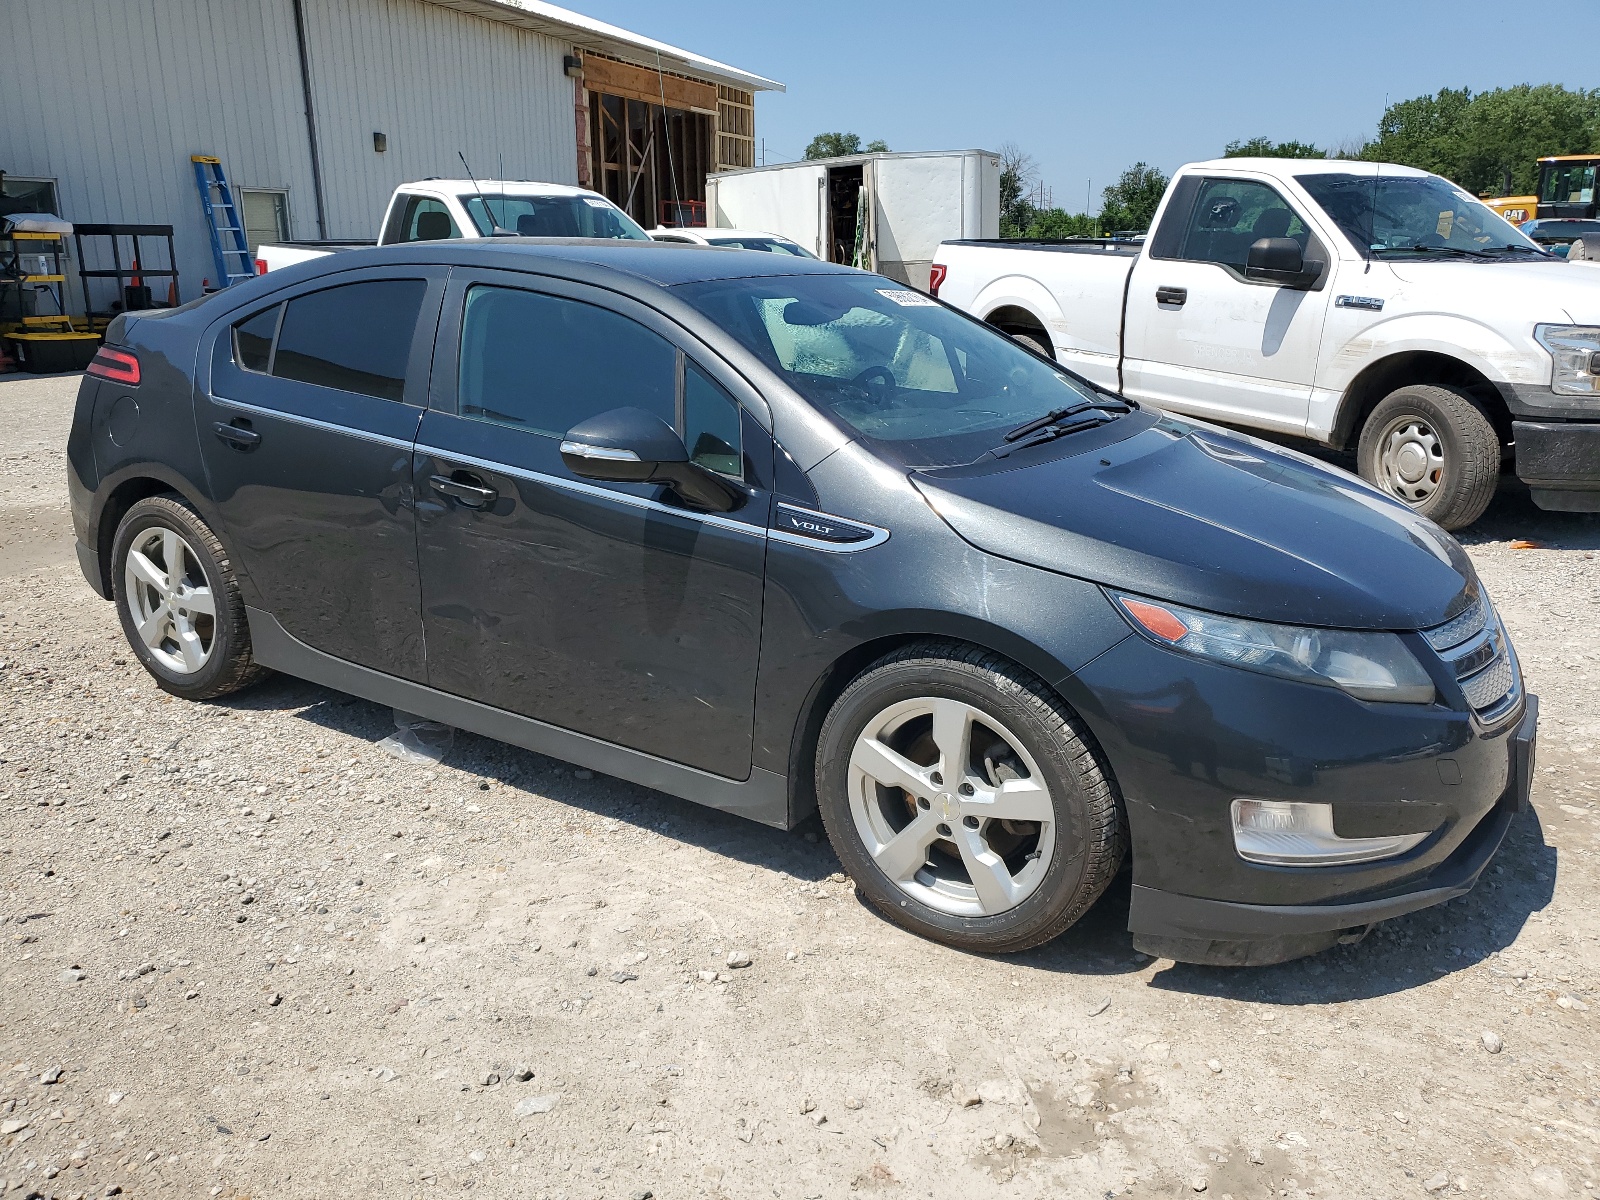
[(1060, 414), (1419, 248), (1049, 433), (1542, 253)]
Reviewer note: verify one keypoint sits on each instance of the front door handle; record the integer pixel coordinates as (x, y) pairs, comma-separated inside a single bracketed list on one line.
[(466, 488), (1172, 295), (238, 434)]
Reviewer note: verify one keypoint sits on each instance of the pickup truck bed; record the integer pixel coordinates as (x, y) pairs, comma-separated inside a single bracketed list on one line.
[(276, 255)]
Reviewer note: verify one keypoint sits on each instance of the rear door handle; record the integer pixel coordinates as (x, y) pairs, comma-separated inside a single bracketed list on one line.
[(1172, 295), (238, 434), (466, 488)]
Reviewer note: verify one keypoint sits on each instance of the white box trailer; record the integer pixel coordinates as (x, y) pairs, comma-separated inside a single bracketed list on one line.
[(883, 212)]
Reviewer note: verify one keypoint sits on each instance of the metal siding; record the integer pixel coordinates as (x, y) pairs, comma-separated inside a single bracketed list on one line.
[(111, 97), (438, 83)]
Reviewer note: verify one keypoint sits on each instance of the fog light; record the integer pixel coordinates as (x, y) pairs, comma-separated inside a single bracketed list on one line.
[(1293, 833)]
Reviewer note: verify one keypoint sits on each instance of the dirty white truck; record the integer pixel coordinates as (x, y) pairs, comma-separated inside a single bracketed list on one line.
[(436, 209), (1357, 304)]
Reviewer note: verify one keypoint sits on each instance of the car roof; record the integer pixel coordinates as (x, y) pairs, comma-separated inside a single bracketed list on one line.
[(742, 233), (663, 263), (495, 187), (1281, 167)]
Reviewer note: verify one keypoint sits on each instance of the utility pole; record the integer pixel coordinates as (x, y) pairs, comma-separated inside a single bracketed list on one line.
[(763, 152)]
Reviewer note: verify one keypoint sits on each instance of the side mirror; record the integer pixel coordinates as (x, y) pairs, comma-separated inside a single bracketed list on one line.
[(629, 445), (1281, 261)]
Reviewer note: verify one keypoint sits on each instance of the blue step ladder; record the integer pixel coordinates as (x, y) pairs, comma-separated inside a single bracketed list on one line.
[(223, 219)]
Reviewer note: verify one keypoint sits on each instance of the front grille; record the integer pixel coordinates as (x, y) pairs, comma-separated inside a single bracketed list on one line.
[(1473, 644)]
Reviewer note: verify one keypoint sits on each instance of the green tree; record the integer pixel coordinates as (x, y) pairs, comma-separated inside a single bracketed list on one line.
[(1131, 202), (1262, 147), (1018, 176), (837, 145), (1483, 141), (1058, 223)]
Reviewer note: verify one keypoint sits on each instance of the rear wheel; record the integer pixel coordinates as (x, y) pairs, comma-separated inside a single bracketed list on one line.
[(965, 801), (1034, 342), (1434, 448), (179, 603)]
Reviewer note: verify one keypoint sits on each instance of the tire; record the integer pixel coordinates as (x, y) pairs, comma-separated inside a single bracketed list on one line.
[(1035, 343), (190, 652), (1435, 449), (1021, 740)]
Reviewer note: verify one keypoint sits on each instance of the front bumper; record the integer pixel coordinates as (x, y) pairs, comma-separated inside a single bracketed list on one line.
[(1221, 932), (1560, 463), (1185, 738)]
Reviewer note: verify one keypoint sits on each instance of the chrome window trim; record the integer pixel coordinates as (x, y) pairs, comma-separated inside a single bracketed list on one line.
[(878, 538), (329, 426), (589, 489)]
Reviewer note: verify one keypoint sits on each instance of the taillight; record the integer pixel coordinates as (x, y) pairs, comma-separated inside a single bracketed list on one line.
[(119, 366), (261, 266), (936, 274)]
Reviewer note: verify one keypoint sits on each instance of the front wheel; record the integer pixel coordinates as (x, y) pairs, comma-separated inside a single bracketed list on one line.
[(964, 799), (1434, 448), (179, 602)]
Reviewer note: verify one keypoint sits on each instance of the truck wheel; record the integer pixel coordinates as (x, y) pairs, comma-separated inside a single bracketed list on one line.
[(1434, 448), (965, 801), (1035, 343), (179, 603)]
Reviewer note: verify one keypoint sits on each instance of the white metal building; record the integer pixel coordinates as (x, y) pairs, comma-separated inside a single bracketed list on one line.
[(319, 108)]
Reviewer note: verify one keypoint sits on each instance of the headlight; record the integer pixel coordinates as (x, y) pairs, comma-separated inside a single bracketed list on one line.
[(1574, 349), (1370, 666)]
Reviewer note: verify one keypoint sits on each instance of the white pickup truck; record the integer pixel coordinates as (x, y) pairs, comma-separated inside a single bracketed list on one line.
[(1355, 304), (435, 209)]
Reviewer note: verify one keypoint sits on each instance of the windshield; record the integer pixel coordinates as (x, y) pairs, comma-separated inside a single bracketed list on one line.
[(1567, 183), (771, 245), (552, 216), (923, 384), (1408, 213), (1560, 230)]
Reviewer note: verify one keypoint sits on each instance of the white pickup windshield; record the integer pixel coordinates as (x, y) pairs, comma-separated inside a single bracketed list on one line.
[(1414, 215), (551, 216)]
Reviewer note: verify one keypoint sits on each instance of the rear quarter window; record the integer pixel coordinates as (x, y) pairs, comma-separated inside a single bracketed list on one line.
[(353, 338)]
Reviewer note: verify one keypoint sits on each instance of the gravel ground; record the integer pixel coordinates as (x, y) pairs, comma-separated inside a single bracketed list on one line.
[(247, 952)]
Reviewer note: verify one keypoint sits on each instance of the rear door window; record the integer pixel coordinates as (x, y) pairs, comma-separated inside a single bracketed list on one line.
[(354, 338)]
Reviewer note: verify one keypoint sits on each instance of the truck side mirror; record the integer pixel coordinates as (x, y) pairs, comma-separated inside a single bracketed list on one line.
[(1280, 260)]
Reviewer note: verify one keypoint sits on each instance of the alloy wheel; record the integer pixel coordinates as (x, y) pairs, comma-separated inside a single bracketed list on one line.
[(1411, 460), (951, 807), (173, 611)]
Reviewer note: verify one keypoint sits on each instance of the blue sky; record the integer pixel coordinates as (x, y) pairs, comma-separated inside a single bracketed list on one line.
[(1088, 89)]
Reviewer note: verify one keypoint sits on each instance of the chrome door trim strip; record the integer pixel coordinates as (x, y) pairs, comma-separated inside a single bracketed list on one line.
[(589, 489), (312, 422)]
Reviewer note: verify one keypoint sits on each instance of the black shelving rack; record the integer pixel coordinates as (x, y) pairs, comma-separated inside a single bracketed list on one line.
[(128, 294)]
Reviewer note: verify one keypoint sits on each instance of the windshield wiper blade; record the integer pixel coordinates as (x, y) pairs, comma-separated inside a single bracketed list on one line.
[(1061, 414), (1419, 248), (1539, 250), (1049, 433)]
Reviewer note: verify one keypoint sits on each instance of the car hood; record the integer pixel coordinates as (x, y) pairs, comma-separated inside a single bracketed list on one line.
[(1193, 514), (1534, 288)]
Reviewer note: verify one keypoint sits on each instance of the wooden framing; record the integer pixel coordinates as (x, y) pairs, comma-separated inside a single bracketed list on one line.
[(645, 83)]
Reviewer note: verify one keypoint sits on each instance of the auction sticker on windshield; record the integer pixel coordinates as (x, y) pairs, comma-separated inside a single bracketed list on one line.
[(908, 299)]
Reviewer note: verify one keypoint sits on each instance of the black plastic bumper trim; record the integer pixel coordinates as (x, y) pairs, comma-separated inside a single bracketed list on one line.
[(89, 564), (1161, 914)]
